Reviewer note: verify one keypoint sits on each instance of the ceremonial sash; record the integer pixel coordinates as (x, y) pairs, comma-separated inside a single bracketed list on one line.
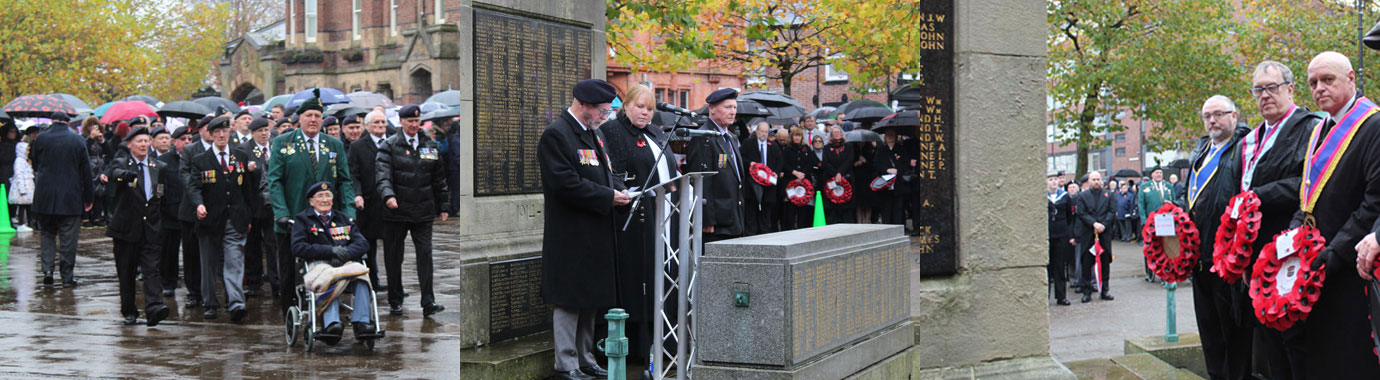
[(1252, 150), (1324, 154), (1199, 179)]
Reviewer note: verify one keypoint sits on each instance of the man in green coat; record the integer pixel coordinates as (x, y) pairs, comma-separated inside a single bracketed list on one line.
[(1153, 194), (298, 159)]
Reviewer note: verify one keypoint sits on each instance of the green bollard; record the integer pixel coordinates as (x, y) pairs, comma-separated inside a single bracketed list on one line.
[(616, 346), (1171, 333)]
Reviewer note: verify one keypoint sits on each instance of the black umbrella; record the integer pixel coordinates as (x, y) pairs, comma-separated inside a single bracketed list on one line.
[(214, 102), (447, 97), (821, 112), (769, 99), (76, 103), (746, 109), (903, 122), (868, 114), (5, 116), (184, 109), (1126, 173), (152, 101), (37, 106), (340, 111), (847, 109), (861, 135)]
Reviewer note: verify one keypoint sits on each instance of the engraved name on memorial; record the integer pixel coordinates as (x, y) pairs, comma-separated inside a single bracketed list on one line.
[(515, 304), (523, 71), (935, 205)]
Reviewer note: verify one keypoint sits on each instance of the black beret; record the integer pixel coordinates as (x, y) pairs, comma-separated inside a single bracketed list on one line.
[(242, 113), (329, 121), (136, 132), (258, 123), (59, 117), (296, 118), (281, 121), (137, 120), (319, 187), (180, 131), (721, 95), (159, 131), (409, 111), (314, 103), (594, 91), (205, 120), (351, 119), (217, 123)]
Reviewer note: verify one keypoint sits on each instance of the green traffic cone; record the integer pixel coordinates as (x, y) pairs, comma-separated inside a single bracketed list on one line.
[(819, 211), (5, 228)]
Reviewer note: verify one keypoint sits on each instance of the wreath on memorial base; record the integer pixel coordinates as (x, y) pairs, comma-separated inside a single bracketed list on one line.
[(1280, 311), (800, 192), (839, 192), (1231, 250), (1171, 269)]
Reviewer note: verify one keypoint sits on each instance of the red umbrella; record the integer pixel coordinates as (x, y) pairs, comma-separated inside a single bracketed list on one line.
[(127, 110)]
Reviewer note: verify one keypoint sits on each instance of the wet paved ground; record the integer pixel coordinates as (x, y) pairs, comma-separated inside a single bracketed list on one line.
[(1097, 329), (77, 332)]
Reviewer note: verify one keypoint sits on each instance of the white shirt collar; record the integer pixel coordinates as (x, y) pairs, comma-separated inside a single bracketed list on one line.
[(577, 120)]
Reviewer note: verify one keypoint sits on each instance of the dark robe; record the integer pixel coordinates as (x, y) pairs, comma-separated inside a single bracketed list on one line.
[(1222, 310)]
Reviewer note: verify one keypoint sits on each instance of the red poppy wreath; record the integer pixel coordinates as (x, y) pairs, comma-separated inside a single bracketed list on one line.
[(1178, 268), (839, 192), (800, 192), (1284, 285), (1231, 250)]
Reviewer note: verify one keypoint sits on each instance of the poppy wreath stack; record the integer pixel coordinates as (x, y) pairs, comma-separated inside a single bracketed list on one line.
[(1280, 305), (839, 192), (799, 192), (1172, 269), (1231, 250), (762, 174)]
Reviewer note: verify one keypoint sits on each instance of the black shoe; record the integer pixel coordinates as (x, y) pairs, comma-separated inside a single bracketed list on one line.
[(365, 330), (1107, 297), (237, 313), (131, 320), (193, 302), (210, 313), (595, 371), (428, 310), (70, 283), (1087, 297), (168, 292), (47, 280), (395, 310), (380, 288), (574, 374), (156, 314), (1063, 302), (331, 334), (87, 225)]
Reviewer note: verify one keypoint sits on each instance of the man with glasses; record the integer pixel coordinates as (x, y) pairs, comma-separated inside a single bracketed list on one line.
[(1271, 166)]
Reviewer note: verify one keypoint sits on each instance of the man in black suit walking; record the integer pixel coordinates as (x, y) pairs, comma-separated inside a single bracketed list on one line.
[(761, 200), (178, 229), (723, 207), (218, 190), (262, 243), (364, 173), (138, 192), (60, 162), (1096, 211)]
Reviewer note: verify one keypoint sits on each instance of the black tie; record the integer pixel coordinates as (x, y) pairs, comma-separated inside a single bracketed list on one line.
[(412, 143)]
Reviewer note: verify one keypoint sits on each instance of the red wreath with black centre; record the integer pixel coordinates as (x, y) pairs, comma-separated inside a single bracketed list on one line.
[(1231, 248), (1171, 269), (1278, 309), (839, 191)]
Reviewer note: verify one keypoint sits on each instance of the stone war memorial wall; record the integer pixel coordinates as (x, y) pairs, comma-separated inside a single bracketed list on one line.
[(936, 229)]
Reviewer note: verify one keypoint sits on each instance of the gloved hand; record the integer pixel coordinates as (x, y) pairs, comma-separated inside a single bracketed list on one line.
[(341, 254), (285, 223)]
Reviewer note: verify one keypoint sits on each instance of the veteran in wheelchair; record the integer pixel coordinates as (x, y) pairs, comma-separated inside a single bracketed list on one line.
[(327, 247)]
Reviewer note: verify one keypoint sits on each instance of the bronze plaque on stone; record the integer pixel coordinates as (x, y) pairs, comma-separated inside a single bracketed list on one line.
[(523, 71), (930, 90), (515, 305)]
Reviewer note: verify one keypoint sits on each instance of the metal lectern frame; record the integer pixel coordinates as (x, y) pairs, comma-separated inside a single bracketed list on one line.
[(677, 255)]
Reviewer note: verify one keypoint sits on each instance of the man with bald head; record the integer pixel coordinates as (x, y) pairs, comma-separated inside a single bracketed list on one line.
[(1213, 180), (1341, 197), (1095, 212)]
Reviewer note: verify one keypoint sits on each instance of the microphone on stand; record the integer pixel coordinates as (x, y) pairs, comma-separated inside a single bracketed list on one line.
[(687, 132), (660, 106)]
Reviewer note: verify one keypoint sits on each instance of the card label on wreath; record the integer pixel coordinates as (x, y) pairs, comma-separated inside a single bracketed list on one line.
[(1236, 209), (1164, 224), (1288, 273), (1284, 244)]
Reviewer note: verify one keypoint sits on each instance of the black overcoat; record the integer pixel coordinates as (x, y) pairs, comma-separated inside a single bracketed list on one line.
[(222, 192), (62, 172), (134, 218), (630, 152), (314, 240), (170, 175), (416, 177), (776, 161), (838, 160), (1277, 175), (723, 206), (578, 239), (364, 174)]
